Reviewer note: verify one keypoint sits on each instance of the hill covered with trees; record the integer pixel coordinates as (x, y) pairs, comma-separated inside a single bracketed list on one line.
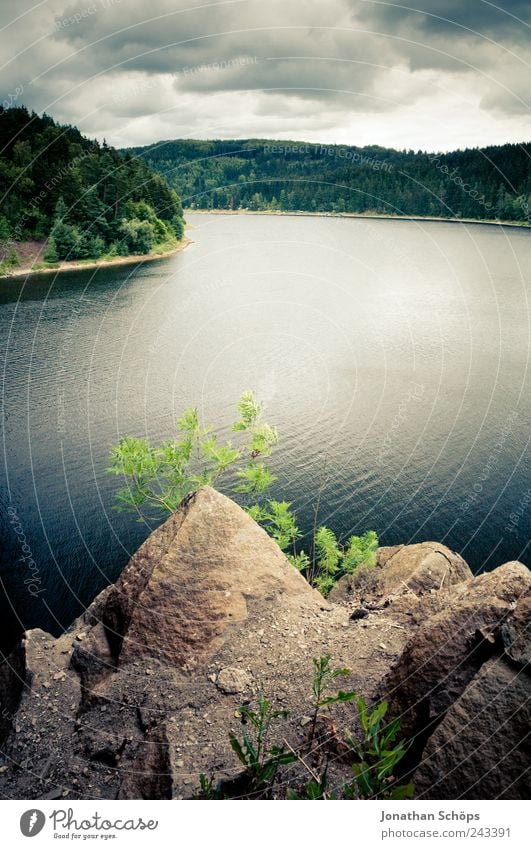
[(86, 199), (489, 183)]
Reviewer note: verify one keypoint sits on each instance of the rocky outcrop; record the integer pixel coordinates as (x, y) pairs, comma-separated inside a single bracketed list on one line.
[(453, 666), (402, 570), (516, 631), (481, 748), (444, 653), (137, 698)]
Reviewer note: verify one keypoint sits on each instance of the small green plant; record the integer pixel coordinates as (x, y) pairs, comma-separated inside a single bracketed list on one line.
[(208, 790), (378, 754), (323, 679), (260, 759), (314, 790), (329, 560), (279, 521), (159, 478)]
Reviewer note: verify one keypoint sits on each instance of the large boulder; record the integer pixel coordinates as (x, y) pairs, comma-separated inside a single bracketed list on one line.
[(209, 569), (137, 698), (206, 615), (516, 632), (481, 749), (400, 570), (444, 654)]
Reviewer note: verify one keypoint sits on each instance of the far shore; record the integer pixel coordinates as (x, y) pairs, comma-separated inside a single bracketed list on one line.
[(383, 216), (80, 265)]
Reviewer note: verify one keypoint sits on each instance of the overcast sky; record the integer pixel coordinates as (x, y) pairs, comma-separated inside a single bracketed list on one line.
[(430, 74)]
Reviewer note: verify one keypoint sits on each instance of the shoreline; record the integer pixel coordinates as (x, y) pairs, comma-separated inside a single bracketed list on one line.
[(370, 215), (77, 265)]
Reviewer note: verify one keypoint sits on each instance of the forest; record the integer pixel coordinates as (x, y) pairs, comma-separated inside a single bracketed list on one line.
[(84, 198), (481, 183)]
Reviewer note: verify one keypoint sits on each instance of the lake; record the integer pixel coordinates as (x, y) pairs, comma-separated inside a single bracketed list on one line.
[(393, 356)]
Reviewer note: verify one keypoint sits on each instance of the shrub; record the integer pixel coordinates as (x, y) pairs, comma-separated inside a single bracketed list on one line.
[(50, 254), (161, 477), (329, 560)]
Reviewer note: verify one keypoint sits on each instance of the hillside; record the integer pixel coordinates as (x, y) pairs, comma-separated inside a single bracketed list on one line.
[(257, 174), (84, 199)]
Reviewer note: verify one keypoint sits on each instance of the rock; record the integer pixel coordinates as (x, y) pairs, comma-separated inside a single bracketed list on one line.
[(208, 614), (93, 660), (232, 681), (445, 653), (402, 570), (12, 678), (516, 632), (149, 776), (198, 596), (481, 748), (226, 565)]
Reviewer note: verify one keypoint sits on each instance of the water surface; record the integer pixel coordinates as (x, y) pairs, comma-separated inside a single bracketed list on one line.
[(392, 355)]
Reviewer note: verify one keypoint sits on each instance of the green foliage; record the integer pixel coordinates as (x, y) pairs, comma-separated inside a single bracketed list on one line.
[(266, 175), (10, 261), (278, 520), (360, 551), (209, 790), (256, 479), (323, 679), (51, 254), (137, 236), (327, 557), (55, 182), (160, 477), (5, 229), (314, 790), (260, 759), (330, 560), (301, 561), (378, 753)]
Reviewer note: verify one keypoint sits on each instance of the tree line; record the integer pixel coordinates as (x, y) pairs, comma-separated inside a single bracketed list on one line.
[(85, 198), (490, 183)]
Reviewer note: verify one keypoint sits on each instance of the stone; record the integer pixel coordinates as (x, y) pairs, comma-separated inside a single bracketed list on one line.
[(481, 748), (234, 681), (402, 570), (516, 632), (447, 650), (226, 564)]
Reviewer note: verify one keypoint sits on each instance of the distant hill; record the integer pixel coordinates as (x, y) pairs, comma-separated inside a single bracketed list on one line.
[(87, 200), (492, 182)]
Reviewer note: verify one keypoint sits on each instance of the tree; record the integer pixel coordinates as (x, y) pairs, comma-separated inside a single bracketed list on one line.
[(137, 235), (50, 254)]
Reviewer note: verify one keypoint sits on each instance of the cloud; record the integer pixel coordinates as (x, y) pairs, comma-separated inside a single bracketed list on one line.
[(130, 71)]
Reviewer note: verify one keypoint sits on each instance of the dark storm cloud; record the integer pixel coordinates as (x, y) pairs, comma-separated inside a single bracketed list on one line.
[(455, 18), (479, 38), (191, 64)]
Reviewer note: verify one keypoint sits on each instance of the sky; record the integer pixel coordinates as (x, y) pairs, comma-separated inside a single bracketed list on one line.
[(424, 74)]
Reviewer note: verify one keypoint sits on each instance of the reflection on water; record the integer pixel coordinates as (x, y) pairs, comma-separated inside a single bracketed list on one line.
[(392, 355)]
